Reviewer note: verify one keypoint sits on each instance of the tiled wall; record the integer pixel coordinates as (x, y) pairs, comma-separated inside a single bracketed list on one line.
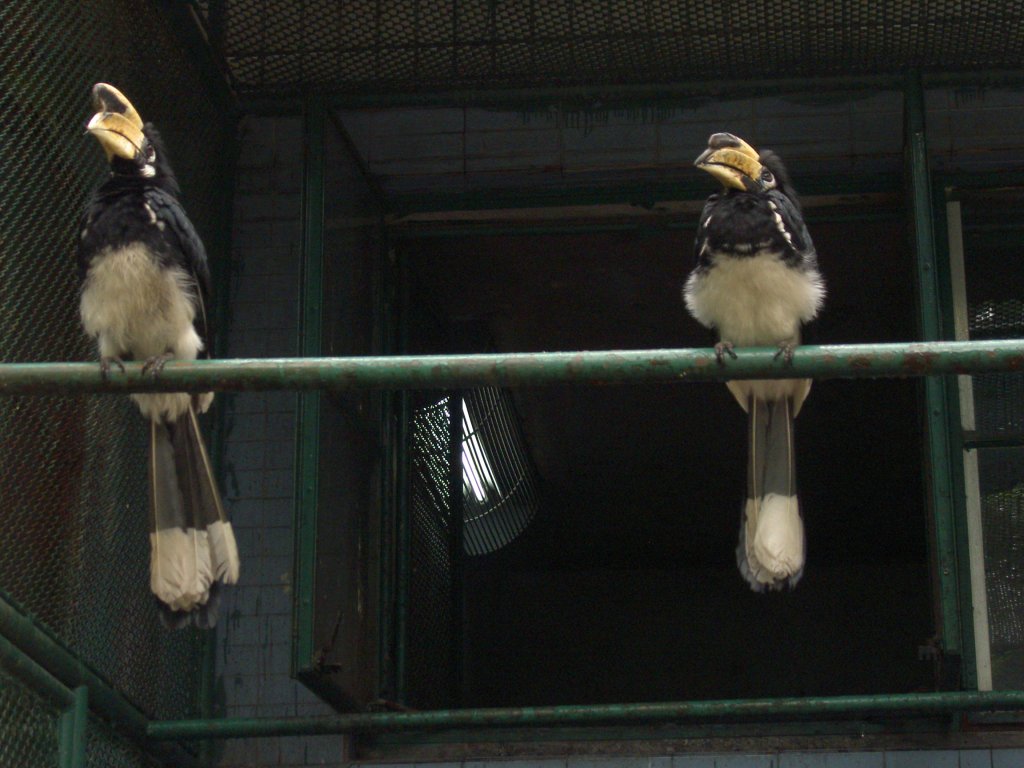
[(254, 635)]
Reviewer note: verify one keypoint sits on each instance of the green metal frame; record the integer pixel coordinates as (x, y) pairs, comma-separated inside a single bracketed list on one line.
[(956, 634), (48, 667), (664, 366), (52, 669), (308, 407), (73, 720), (946, 187)]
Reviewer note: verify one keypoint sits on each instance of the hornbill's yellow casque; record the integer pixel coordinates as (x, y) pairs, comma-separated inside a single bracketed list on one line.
[(756, 283), (145, 293)]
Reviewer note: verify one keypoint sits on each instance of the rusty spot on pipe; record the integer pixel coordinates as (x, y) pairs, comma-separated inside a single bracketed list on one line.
[(859, 361), (919, 362)]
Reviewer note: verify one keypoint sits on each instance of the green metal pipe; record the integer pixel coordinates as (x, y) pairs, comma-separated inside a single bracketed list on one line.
[(538, 717), (307, 427), (35, 642), (20, 665), (525, 369), (73, 722), (937, 397)]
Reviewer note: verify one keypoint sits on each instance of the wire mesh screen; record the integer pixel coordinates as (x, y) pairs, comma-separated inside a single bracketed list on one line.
[(383, 45), (496, 500), (1002, 512), (999, 411), (28, 726), (431, 619), (499, 482), (74, 553), (104, 749), (998, 397)]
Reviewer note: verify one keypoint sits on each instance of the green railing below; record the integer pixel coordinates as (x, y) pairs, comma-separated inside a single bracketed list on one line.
[(605, 714), (524, 369)]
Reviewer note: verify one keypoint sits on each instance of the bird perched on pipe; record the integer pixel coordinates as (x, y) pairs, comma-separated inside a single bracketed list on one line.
[(756, 283), (145, 295)]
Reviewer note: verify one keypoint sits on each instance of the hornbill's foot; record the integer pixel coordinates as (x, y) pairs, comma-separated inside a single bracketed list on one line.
[(106, 362), (155, 364), (722, 349), (785, 351)]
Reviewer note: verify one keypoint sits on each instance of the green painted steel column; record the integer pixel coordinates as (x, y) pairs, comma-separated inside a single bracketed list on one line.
[(73, 723), (403, 511), (936, 395), (455, 538), (403, 547), (307, 435)]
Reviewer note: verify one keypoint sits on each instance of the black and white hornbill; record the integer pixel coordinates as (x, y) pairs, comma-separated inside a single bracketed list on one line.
[(756, 282), (145, 293)]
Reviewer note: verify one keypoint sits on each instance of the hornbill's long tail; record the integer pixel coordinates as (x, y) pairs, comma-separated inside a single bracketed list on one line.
[(192, 544), (770, 554)]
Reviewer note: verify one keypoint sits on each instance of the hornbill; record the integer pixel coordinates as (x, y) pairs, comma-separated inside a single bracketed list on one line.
[(756, 282), (145, 294)]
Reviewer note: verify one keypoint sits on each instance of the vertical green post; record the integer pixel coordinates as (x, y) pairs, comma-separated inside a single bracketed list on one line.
[(403, 513), (936, 397), (455, 505), (71, 753), (307, 432)]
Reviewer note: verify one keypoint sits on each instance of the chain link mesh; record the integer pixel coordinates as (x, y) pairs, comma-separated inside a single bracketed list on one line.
[(75, 548), (429, 675), (422, 45), (28, 727)]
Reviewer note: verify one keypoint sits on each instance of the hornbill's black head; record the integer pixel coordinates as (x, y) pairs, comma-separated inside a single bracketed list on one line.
[(132, 147), (738, 166)]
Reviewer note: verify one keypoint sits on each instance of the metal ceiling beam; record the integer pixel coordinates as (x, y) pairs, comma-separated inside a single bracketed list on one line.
[(605, 97)]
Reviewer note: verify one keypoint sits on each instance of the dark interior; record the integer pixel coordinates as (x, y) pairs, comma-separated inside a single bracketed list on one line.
[(625, 588)]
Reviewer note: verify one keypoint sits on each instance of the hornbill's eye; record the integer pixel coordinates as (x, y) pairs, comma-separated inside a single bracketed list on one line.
[(766, 176)]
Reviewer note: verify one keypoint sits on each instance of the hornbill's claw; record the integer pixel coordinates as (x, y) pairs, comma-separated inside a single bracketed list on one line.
[(786, 352), (106, 362), (722, 349), (155, 364)]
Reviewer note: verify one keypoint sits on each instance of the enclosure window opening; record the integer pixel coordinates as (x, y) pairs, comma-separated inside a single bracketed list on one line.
[(477, 473)]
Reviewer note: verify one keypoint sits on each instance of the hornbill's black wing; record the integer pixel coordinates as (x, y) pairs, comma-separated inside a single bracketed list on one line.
[(185, 247)]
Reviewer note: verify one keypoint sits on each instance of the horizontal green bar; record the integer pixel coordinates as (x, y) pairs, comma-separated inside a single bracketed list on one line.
[(818, 707), (524, 369)]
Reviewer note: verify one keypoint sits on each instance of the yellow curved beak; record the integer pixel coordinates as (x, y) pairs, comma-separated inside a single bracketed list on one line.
[(730, 160), (116, 124)]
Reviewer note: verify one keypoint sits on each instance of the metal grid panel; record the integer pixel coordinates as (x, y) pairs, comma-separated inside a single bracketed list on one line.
[(75, 549), (1002, 511), (104, 748), (28, 727), (421, 45), (429, 673), (499, 481), (998, 397)]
